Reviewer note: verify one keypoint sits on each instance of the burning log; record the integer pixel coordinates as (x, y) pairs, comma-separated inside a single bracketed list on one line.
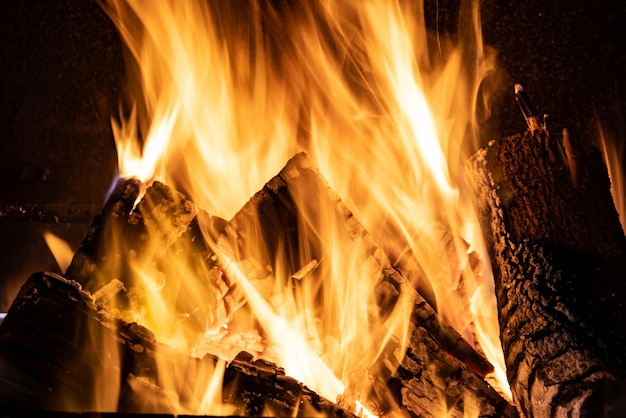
[(61, 351), (163, 213), (432, 383), (559, 260), (439, 372), (164, 235), (281, 215)]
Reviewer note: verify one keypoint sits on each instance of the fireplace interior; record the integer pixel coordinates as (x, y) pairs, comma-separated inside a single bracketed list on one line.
[(63, 77)]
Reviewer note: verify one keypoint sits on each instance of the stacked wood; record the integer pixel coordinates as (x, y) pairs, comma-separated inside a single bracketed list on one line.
[(61, 351), (439, 372), (559, 260)]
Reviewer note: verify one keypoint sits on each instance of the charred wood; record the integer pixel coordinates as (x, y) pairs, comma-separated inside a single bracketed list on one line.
[(280, 215), (87, 266), (436, 255), (60, 351), (431, 383), (163, 236), (281, 218), (119, 232), (439, 370), (559, 260)]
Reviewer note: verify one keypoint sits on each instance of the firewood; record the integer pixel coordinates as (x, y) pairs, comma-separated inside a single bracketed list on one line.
[(60, 351), (57, 351), (159, 238), (430, 383), (279, 216), (162, 216), (95, 251), (559, 260), (430, 257)]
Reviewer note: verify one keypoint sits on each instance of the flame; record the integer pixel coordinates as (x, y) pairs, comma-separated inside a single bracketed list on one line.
[(362, 411), (298, 357), (60, 249), (613, 155), (224, 96)]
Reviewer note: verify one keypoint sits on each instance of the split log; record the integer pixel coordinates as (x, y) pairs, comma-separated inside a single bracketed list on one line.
[(60, 351), (164, 240), (450, 372), (431, 383), (96, 252), (279, 230), (559, 260), (119, 234)]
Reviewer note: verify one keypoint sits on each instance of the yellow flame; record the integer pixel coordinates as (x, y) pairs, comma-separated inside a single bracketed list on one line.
[(362, 411), (225, 96), (60, 249), (297, 357), (203, 104)]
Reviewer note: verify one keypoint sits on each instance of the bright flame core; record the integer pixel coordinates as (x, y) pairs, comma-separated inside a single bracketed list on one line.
[(226, 96)]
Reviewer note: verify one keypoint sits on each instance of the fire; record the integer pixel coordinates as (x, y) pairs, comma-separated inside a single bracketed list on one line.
[(613, 154), (296, 355), (60, 249), (224, 96)]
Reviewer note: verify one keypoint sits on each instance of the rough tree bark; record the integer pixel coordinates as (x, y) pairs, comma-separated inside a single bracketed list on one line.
[(559, 260)]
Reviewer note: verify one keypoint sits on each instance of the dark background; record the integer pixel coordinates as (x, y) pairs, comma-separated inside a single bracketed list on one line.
[(61, 72)]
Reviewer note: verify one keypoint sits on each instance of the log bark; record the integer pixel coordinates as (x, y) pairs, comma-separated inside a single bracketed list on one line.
[(559, 259), (60, 351), (282, 220)]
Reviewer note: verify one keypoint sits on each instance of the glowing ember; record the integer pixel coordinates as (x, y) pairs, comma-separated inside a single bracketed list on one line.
[(226, 96)]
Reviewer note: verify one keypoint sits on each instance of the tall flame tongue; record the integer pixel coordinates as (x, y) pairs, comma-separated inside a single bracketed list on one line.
[(613, 154), (227, 94)]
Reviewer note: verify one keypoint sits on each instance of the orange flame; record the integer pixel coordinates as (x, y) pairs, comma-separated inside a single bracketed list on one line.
[(613, 155), (60, 249), (226, 96)]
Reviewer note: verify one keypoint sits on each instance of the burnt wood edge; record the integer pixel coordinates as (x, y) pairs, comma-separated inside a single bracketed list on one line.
[(450, 347), (44, 344), (120, 204), (123, 197), (429, 382), (423, 314)]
